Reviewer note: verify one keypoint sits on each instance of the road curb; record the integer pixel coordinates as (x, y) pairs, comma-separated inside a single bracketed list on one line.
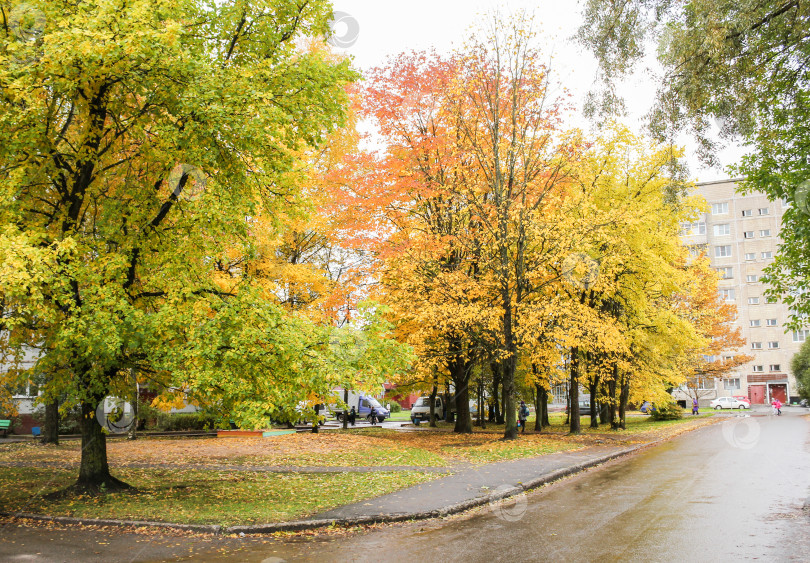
[(198, 528)]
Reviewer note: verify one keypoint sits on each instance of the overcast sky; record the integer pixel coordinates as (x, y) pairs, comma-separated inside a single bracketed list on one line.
[(373, 30)]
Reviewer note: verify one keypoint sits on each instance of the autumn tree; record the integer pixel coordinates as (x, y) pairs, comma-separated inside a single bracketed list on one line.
[(740, 68), (136, 139)]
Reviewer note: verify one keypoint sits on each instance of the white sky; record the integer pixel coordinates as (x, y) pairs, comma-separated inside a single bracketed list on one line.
[(389, 28)]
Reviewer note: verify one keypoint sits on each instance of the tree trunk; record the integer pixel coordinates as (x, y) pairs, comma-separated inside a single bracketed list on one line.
[(460, 373), (544, 422), (594, 385), (50, 434), (346, 412), (481, 403), (133, 430), (496, 385), (573, 394), (510, 366), (612, 385), (433, 404), (538, 407), (94, 473), (625, 396)]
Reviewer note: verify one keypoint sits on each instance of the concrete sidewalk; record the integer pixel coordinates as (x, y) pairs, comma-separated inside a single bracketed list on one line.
[(465, 489)]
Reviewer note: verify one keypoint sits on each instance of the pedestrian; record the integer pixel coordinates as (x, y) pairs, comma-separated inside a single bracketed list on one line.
[(373, 416), (523, 414), (778, 407), (352, 416), (773, 404), (694, 406)]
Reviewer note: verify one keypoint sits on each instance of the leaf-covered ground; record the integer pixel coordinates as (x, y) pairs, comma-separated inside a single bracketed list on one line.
[(232, 480)]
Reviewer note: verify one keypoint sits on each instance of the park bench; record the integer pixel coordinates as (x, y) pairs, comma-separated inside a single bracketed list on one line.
[(5, 427)]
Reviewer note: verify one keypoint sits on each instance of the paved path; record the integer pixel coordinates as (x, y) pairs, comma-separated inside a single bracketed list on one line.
[(474, 485)]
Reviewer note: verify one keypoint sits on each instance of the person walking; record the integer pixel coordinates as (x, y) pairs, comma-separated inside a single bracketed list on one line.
[(523, 415), (373, 416), (695, 406), (352, 416), (778, 407)]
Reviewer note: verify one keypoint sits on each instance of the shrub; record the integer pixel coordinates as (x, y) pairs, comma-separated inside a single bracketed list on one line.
[(670, 411), (395, 407)]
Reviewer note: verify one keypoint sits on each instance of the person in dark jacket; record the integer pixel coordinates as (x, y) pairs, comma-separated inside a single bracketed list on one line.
[(523, 415)]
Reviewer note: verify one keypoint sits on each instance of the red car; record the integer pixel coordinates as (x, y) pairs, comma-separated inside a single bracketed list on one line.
[(743, 399)]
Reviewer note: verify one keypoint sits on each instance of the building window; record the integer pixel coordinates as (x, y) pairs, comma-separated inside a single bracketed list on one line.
[(722, 251), (764, 211), (747, 212), (720, 230), (719, 208), (776, 367), (26, 390), (751, 279), (748, 234), (767, 255), (726, 273), (731, 384), (765, 233), (756, 346), (770, 322), (750, 255), (758, 369), (753, 300), (727, 294), (773, 345), (754, 322), (705, 383), (800, 335)]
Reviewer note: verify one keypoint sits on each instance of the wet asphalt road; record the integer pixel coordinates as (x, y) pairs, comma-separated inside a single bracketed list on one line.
[(732, 491)]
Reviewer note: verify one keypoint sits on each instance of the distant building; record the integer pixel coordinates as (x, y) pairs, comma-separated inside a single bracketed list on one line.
[(740, 234)]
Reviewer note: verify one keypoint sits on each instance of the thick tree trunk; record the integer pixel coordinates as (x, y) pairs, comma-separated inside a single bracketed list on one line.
[(460, 373), (544, 421), (573, 393), (50, 434), (94, 473)]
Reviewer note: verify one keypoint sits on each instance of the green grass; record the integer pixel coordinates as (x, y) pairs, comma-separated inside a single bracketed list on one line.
[(401, 416), (200, 497)]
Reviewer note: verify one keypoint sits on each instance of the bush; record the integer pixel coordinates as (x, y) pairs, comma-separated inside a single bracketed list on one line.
[(395, 407), (152, 419), (669, 411)]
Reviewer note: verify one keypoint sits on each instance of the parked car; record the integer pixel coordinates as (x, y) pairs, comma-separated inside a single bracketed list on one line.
[(647, 407), (743, 399), (728, 403), (421, 409)]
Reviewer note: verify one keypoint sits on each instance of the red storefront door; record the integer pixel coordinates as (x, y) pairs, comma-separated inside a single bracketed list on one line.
[(779, 391), (757, 394)]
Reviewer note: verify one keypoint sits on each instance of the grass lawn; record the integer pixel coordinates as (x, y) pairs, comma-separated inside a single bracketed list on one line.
[(200, 497), (193, 487)]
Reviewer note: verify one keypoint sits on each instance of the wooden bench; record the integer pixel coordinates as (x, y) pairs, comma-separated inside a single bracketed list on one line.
[(5, 427)]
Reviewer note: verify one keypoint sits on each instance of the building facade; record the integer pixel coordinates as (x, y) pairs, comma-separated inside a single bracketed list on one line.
[(740, 235)]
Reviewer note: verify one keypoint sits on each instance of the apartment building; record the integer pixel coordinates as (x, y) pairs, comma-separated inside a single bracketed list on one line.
[(740, 234)]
